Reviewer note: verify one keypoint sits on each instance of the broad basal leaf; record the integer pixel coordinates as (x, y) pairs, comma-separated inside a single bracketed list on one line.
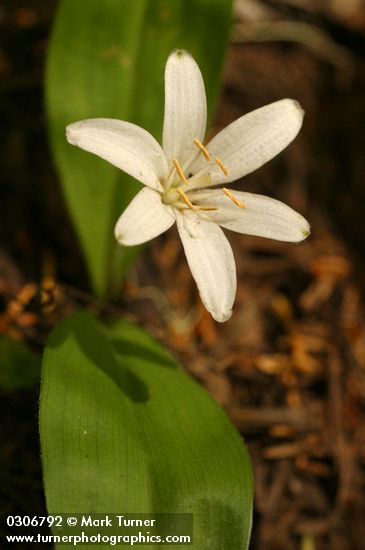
[(106, 59), (123, 429), (19, 367)]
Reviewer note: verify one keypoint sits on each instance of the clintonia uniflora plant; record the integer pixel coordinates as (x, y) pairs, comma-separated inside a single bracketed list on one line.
[(182, 176)]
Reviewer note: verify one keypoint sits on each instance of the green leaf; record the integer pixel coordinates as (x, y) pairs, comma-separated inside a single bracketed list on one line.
[(123, 429), (106, 59), (19, 367)]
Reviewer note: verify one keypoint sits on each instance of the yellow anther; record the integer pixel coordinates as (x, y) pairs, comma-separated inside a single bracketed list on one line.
[(221, 166), (179, 171), (203, 149), (187, 201), (233, 198), (207, 208)]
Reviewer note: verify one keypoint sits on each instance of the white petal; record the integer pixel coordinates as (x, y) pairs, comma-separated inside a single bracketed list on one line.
[(211, 262), (185, 106), (262, 216), (252, 140), (124, 145), (144, 218)]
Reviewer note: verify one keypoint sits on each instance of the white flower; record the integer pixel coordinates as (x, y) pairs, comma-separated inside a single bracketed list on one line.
[(181, 178)]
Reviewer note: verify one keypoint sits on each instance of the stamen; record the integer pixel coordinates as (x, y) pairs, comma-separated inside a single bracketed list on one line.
[(170, 177), (203, 149), (193, 206), (179, 171), (221, 166), (186, 199), (233, 198)]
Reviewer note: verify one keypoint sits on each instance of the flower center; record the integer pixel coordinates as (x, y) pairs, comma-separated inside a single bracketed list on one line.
[(176, 186)]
